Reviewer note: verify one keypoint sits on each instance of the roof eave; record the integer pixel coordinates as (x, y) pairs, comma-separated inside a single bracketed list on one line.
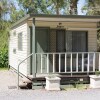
[(21, 20), (28, 16)]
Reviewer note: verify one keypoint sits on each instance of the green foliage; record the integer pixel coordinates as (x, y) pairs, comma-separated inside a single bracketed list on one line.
[(4, 44), (98, 40), (49, 6), (4, 37), (17, 15), (97, 72), (5, 8), (92, 7), (4, 57)]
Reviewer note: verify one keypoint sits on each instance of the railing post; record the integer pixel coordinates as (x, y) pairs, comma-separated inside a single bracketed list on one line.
[(71, 64), (35, 63), (65, 62), (53, 63), (47, 63), (88, 63), (82, 62), (59, 63), (94, 62), (99, 61), (77, 62), (41, 63)]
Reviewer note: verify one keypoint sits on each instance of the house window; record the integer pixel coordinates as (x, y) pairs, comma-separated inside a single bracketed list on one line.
[(76, 41), (20, 41)]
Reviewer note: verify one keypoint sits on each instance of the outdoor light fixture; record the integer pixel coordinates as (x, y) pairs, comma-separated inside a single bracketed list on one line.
[(60, 25)]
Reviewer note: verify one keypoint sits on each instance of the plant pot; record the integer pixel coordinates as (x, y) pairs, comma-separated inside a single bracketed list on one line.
[(52, 83), (94, 81)]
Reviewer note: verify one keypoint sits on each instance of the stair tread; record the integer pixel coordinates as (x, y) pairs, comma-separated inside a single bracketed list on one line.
[(26, 80), (21, 84)]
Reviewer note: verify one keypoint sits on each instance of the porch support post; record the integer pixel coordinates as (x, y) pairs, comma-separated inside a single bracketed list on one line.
[(33, 49), (99, 61)]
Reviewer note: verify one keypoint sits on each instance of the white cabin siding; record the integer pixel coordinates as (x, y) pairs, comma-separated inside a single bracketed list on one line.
[(92, 41), (15, 59)]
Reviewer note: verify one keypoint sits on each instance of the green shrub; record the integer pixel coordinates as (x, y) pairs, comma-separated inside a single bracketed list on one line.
[(4, 57)]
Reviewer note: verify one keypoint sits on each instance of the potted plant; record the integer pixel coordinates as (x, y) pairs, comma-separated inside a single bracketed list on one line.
[(95, 80), (52, 82)]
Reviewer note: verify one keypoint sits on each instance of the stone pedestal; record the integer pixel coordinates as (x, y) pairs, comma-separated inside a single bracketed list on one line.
[(52, 83), (94, 81)]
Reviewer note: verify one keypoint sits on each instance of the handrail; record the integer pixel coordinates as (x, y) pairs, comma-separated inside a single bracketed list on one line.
[(20, 64), (66, 52)]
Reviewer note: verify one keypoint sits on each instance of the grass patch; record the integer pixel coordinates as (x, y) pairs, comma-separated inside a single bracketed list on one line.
[(3, 68), (72, 87), (82, 86)]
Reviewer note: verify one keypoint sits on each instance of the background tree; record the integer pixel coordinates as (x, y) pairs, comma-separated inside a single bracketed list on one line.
[(45, 6), (92, 7), (73, 7)]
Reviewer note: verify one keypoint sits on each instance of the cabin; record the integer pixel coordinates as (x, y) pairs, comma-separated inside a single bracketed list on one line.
[(40, 45)]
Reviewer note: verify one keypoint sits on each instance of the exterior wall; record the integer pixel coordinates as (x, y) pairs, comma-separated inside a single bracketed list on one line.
[(92, 41), (67, 25), (18, 56)]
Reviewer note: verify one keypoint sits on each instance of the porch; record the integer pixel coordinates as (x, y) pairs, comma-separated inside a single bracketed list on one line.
[(60, 51), (63, 46)]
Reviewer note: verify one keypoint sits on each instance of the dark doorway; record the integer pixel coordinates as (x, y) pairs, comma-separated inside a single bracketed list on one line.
[(60, 48)]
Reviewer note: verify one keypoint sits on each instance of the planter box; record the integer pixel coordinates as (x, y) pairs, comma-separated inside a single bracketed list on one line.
[(52, 83), (94, 81)]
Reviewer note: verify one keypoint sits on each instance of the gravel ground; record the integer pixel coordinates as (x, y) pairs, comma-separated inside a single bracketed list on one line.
[(8, 78)]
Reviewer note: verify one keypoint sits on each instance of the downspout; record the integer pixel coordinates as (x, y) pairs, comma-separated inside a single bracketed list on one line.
[(33, 49)]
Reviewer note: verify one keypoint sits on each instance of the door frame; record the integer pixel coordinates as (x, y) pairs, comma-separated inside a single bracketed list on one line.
[(48, 35), (48, 39)]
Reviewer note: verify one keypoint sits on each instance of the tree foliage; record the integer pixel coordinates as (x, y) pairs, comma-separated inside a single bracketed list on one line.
[(73, 7), (92, 7), (4, 57), (49, 6)]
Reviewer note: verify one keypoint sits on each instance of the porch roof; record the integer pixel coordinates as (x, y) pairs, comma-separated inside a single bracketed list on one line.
[(62, 18)]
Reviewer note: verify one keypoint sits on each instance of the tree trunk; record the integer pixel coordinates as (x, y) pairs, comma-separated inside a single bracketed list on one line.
[(57, 10), (57, 7), (73, 7)]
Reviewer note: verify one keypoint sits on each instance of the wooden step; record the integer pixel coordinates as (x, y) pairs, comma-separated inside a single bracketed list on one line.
[(26, 80), (22, 85), (30, 77), (36, 78)]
